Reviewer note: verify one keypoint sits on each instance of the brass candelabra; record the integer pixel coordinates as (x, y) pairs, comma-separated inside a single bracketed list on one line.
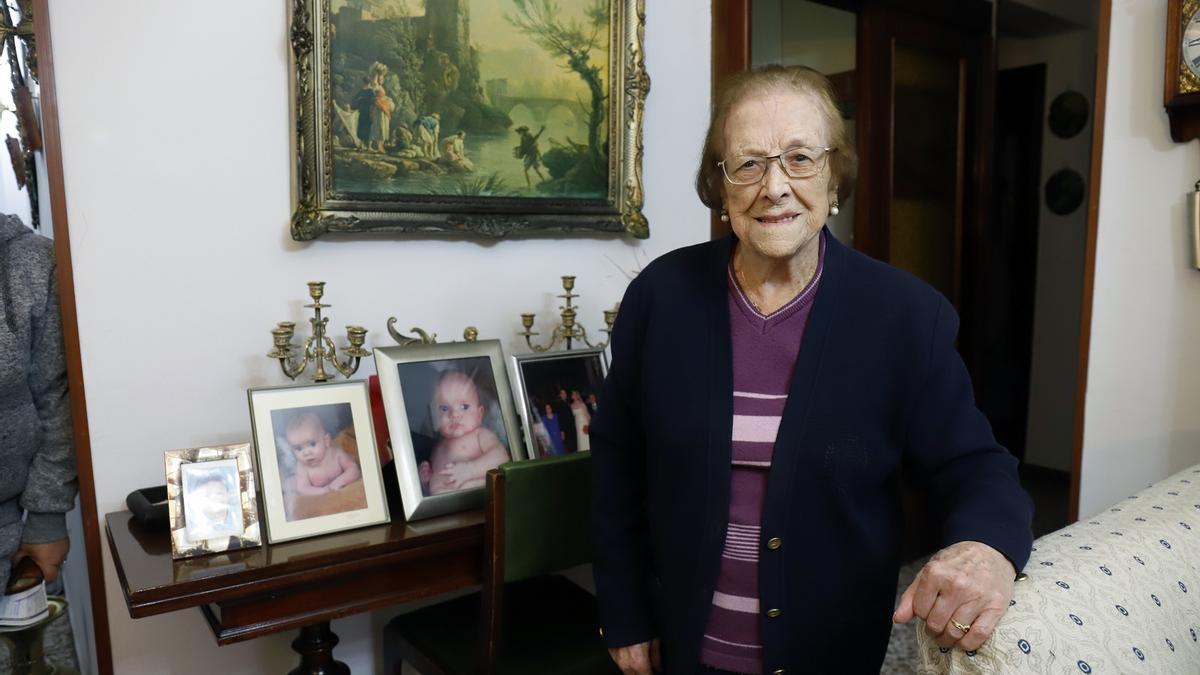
[(568, 330), (318, 348)]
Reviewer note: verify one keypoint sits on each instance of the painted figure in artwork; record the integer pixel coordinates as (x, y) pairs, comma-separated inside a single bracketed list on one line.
[(428, 128), (381, 109), (528, 151), (363, 103), (454, 153)]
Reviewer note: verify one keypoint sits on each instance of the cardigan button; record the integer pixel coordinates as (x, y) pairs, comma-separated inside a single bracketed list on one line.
[(774, 613), (774, 543)]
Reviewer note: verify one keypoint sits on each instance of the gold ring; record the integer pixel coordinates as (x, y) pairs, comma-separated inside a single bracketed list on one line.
[(965, 628)]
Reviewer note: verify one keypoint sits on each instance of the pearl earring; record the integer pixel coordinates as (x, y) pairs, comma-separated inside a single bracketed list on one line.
[(833, 209), (724, 216)]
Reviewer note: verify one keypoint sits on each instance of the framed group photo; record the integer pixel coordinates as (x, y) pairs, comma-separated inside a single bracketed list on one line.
[(476, 117), (451, 419), (559, 392), (319, 467), (211, 500)]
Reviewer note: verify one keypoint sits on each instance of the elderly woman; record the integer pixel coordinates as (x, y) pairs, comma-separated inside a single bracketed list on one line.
[(765, 391)]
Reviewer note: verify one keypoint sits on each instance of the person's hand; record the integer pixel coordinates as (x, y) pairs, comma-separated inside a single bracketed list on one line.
[(49, 557), (643, 658), (424, 472), (965, 585)]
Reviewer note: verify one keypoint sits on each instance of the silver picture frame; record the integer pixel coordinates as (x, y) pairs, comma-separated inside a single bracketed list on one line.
[(409, 377), (231, 468), (581, 370)]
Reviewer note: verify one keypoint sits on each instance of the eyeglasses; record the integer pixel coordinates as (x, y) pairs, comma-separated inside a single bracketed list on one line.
[(798, 162)]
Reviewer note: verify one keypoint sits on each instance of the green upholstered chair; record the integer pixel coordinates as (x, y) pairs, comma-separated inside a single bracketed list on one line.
[(526, 619)]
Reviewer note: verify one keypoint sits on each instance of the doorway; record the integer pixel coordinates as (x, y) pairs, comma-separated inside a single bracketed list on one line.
[(977, 224)]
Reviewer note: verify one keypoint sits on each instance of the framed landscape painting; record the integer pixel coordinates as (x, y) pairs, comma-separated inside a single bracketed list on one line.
[(476, 117)]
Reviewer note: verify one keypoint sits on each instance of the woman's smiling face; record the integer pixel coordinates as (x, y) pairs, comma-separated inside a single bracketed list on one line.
[(778, 215)]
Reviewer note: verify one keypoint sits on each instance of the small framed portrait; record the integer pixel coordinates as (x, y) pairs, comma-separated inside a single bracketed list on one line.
[(558, 393), (451, 420), (211, 500), (316, 456)]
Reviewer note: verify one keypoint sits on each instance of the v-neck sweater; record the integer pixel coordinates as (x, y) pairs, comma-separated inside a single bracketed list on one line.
[(765, 348)]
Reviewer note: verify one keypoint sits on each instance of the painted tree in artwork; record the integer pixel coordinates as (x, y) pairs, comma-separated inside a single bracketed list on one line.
[(573, 41)]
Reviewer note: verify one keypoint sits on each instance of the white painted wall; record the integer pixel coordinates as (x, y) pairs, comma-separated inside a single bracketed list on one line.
[(1070, 65), (1143, 403), (176, 145)]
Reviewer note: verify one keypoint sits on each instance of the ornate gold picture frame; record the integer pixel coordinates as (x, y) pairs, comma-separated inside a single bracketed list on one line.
[(473, 117)]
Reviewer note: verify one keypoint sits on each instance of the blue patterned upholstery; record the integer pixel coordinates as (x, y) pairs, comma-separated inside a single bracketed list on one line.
[(1116, 593)]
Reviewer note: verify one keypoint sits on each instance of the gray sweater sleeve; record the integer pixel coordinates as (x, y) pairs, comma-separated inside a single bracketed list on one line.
[(51, 487)]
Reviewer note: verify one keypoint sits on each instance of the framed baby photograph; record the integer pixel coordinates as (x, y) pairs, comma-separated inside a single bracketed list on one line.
[(451, 419), (211, 500), (558, 393), (318, 467)]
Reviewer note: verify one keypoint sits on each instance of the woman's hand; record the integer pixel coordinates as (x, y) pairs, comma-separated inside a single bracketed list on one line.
[(643, 658), (49, 557), (968, 584)]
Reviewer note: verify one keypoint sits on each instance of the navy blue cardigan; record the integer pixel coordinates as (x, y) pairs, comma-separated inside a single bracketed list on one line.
[(878, 385)]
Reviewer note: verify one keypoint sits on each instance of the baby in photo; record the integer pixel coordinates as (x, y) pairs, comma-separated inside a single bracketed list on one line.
[(322, 466), (466, 449), (210, 504)]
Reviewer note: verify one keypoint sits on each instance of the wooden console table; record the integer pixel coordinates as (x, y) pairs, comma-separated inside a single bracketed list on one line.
[(298, 584)]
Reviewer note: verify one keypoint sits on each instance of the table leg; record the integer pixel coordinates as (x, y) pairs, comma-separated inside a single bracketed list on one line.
[(315, 647)]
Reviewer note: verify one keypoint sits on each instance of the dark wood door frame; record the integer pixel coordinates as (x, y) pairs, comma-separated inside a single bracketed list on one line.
[(52, 148), (1089, 262), (731, 54), (883, 27)]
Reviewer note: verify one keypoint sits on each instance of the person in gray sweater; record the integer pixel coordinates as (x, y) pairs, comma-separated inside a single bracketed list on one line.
[(37, 460)]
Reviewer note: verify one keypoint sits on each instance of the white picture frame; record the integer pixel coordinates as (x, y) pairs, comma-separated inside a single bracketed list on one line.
[(309, 492)]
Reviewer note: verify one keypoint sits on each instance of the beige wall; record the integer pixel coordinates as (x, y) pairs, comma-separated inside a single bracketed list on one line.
[(176, 143), (1143, 400)]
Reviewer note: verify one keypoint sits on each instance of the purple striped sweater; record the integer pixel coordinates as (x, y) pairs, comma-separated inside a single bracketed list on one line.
[(765, 349)]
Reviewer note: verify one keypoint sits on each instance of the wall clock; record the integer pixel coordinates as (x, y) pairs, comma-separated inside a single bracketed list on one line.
[(1181, 84)]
